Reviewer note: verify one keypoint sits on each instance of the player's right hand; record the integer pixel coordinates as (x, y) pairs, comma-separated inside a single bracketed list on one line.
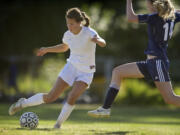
[(42, 51)]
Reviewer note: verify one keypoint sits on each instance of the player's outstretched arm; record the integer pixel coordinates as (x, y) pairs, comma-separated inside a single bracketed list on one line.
[(53, 49), (131, 16), (177, 10)]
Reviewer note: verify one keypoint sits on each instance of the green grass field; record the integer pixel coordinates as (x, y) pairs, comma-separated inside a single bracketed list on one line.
[(123, 121)]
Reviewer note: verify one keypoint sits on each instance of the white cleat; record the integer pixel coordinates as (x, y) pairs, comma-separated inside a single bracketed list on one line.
[(57, 126), (16, 106), (100, 113)]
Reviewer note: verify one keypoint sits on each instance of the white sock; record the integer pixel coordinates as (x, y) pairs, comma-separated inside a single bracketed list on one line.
[(114, 85), (34, 100), (65, 112)]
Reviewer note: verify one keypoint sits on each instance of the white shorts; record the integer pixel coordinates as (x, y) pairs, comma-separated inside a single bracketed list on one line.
[(70, 74)]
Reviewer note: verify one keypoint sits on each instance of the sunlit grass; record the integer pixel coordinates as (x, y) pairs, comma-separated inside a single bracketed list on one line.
[(124, 121)]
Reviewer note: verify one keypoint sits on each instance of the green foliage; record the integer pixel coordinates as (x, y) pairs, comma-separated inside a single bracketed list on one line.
[(135, 92), (44, 78), (28, 84), (51, 68), (97, 89)]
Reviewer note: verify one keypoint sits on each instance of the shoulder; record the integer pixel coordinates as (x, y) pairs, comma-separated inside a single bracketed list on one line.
[(147, 18), (90, 31), (66, 37), (154, 16), (67, 33)]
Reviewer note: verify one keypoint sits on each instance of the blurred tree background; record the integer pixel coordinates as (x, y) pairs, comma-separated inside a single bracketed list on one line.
[(26, 25)]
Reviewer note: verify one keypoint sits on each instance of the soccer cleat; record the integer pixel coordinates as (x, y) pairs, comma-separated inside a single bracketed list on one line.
[(16, 106), (57, 126), (100, 113)]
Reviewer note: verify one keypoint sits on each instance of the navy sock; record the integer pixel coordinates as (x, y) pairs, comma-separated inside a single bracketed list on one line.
[(110, 96)]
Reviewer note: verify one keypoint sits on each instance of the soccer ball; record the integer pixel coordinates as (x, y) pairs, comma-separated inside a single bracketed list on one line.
[(29, 120)]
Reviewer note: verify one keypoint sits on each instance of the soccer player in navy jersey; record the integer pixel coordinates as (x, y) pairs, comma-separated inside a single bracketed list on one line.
[(160, 22)]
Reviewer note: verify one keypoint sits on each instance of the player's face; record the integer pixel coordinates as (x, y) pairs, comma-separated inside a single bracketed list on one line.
[(150, 7), (73, 26)]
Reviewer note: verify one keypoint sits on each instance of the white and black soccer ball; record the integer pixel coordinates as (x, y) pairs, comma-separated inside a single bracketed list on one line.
[(29, 120)]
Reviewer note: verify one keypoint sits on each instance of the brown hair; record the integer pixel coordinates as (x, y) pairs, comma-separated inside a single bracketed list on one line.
[(78, 16), (165, 8)]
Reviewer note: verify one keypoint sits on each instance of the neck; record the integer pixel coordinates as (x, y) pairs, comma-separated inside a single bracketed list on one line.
[(77, 31)]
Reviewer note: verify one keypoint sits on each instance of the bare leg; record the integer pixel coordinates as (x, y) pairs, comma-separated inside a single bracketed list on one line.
[(166, 91), (56, 91), (129, 70), (78, 88)]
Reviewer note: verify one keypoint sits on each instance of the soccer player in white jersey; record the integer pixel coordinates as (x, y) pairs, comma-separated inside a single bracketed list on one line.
[(80, 67)]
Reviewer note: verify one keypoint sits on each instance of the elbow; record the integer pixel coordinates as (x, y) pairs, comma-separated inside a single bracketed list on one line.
[(103, 44), (132, 20), (129, 19), (65, 50)]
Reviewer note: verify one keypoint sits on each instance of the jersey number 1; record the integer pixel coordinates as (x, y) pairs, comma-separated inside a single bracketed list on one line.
[(167, 31)]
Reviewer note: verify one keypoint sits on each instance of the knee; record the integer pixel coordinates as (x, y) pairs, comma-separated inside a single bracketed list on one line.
[(71, 99), (117, 72), (48, 98)]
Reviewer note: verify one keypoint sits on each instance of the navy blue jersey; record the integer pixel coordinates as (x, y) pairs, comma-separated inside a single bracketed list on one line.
[(159, 33)]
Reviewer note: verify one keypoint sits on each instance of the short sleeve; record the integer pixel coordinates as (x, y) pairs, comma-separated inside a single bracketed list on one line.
[(143, 18), (177, 17), (65, 38), (93, 33)]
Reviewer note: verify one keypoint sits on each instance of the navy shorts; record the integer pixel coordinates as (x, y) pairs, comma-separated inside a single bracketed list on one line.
[(155, 69)]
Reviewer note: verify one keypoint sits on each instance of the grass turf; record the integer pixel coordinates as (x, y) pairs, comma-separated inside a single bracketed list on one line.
[(124, 120)]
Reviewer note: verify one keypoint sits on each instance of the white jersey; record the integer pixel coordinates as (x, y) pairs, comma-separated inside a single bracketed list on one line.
[(82, 49)]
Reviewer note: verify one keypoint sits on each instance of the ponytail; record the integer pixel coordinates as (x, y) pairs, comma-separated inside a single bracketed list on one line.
[(86, 18)]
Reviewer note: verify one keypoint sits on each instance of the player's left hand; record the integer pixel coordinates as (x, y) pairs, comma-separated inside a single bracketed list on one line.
[(42, 51)]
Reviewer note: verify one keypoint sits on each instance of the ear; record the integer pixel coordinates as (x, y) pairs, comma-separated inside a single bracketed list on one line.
[(80, 23)]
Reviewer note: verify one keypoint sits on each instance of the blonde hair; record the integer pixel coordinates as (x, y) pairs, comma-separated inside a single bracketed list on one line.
[(165, 8), (78, 16)]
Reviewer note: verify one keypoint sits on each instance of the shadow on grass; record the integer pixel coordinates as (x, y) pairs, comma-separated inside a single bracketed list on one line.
[(95, 132), (37, 129), (112, 133)]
